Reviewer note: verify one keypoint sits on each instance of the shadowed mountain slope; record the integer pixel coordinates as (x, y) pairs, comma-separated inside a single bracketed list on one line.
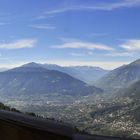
[(33, 79), (121, 77)]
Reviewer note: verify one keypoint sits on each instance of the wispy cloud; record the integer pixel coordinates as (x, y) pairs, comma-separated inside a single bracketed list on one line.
[(131, 45), (124, 49), (43, 26), (77, 54), (100, 6), (18, 44), (114, 54), (128, 48), (44, 16), (81, 53), (108, 6), (84, 45)]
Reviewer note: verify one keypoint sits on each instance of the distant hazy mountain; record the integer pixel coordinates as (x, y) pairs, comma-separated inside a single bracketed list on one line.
[(3, 69), (33, 79), (121, 77), (87, 74)]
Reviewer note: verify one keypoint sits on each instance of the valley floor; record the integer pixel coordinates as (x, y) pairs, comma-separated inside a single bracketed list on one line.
[(102, 116)]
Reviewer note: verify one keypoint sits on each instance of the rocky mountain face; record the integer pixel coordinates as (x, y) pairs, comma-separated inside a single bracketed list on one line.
[(132, 91), (121, 77), (31, 79)]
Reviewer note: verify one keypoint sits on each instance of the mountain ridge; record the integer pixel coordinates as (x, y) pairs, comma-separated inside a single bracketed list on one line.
[(34, 79), (83, 73), (121, 77)]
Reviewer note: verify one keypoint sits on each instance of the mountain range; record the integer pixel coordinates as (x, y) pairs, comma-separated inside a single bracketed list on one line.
[(114, 114), (88, 74), (31, 79)]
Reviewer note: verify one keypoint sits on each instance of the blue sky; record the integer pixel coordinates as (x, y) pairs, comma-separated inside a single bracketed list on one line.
[(103, 33)]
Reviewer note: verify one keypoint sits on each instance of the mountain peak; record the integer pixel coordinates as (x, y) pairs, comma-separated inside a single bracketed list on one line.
[(31, 64), (29, 67)]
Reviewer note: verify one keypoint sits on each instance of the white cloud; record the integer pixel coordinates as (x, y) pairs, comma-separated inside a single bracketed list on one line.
[(18, 44), (43, 26), (129, 48), (132, 45), (44, 16), (77, 54), (81, 54), (121, 4), (114, 54), (100, 6), (84, 45)]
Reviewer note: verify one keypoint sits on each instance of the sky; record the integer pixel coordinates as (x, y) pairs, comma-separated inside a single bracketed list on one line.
[(103, 33)]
